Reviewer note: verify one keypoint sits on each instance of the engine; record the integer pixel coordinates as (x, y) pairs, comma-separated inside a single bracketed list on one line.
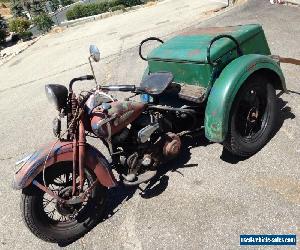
[(144, 145)]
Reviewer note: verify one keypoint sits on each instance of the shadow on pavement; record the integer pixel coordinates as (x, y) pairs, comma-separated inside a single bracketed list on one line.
[(160, 183), (294, 92), (121, 194)]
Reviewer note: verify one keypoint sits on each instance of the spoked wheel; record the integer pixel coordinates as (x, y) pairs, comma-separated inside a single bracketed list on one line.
[(253, 117), (53, 221)]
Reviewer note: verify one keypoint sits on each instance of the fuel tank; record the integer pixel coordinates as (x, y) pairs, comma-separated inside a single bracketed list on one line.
[(118, 114)]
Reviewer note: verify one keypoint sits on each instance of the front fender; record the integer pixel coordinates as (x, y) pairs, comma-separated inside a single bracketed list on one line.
[(62, 152), (226, 87)]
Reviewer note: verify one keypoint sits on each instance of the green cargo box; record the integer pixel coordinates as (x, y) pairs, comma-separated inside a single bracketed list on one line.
[(186, 54)]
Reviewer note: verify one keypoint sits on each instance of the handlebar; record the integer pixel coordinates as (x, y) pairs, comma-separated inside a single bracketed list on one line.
[(81, 78), (123, 88)]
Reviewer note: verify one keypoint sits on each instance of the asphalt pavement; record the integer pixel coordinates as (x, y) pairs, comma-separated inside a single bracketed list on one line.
[(208, 198)]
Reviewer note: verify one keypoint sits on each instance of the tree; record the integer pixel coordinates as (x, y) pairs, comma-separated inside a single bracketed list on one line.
[(54, 5), (17, 8), (27, 6), (37, 7), (2, 23), (43, 22), (3, 30)]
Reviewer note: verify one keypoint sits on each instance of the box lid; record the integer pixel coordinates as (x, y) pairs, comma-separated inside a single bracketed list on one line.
[(192, 46)]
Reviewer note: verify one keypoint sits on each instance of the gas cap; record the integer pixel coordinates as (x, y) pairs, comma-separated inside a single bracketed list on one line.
[(105, 106)]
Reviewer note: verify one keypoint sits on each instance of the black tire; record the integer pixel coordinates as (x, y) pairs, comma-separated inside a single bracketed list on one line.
[(53, 230), (260, 119)]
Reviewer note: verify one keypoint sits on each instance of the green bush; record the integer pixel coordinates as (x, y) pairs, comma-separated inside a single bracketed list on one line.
[(43, 22), (129, 3), (66, 2), (25, 36), (19, 25), (84, 10), (118, 7)]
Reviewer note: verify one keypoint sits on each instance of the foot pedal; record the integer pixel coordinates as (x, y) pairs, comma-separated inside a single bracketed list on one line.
[(140, 178), (192, 93)]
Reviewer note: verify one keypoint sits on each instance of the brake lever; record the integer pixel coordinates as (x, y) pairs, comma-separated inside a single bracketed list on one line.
[(139, 90)]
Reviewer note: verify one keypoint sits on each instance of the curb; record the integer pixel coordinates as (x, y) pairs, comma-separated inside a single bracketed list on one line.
[(293, 2), (104, 15), (8, 58)]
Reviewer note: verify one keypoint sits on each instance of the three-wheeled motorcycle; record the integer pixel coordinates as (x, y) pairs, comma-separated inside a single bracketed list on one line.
[(221, 80)]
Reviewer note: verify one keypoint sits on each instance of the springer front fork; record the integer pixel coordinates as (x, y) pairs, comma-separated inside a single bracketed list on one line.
[(78, 157), (79, 142)]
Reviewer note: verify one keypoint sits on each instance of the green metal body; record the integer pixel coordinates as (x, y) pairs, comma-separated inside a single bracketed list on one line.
[(225, 88), (186, 57)]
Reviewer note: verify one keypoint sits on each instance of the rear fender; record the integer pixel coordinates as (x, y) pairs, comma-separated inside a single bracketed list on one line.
[(227, 85), (62, 152)]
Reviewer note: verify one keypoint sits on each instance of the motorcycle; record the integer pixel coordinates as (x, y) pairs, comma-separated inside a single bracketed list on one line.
[(64, 184), (221, 80)]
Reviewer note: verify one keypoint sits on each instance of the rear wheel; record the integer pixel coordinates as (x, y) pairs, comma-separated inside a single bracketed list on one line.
[(253, 117), (56, 222)]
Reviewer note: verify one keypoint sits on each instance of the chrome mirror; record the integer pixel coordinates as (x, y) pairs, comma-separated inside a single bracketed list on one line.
[(94, 53)]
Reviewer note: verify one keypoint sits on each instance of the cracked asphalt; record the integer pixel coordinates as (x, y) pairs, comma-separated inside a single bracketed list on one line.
[(208, 198)]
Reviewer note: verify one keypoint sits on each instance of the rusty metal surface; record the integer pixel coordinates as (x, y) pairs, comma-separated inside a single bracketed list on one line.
[(191, 47), (192, 93), (172, 146), (96, 160), (48, 191), (288, 60), (81, 155), (63, 152), (210, 31), (125, 112), (187, 57), (74, 200), (75, 153)]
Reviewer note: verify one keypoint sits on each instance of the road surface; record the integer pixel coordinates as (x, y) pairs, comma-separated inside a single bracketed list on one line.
[(208, 198)]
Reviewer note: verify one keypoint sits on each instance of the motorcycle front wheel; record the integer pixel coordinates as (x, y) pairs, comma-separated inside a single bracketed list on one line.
[(52, 221)]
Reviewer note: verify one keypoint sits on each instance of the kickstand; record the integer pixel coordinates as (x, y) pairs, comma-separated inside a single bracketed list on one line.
[(143, 189), (148, 185)]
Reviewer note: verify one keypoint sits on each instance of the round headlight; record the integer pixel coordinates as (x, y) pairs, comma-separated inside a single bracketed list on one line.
[(50, 95), (57, 94)]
